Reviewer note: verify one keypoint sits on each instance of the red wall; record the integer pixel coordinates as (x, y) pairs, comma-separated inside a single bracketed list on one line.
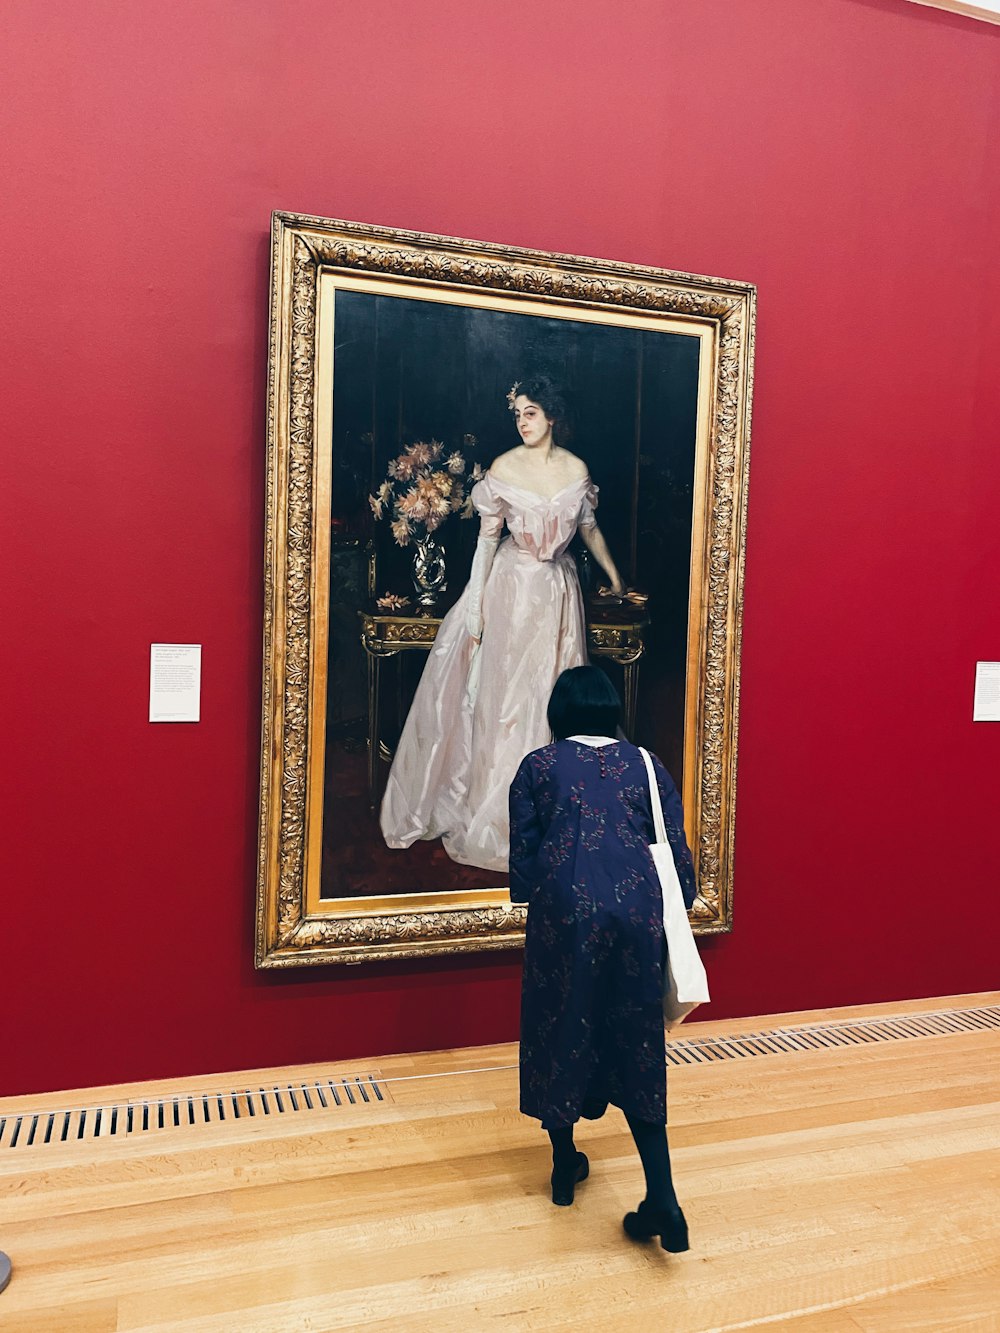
[(844, 155)]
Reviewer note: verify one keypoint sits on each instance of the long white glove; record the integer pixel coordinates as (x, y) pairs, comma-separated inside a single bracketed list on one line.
[(482, 563)]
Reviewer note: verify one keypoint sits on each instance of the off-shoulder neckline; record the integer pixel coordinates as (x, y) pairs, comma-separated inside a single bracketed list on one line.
[(536, 495)]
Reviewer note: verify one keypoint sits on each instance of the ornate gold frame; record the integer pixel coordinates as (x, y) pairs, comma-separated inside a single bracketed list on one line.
[(292, 926)]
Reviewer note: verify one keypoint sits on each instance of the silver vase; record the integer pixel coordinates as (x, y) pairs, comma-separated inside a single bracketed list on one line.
[(428, 573)]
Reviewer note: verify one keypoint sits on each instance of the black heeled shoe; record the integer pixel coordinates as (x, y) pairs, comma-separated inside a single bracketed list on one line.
[(565, 1181), (669, 1224)]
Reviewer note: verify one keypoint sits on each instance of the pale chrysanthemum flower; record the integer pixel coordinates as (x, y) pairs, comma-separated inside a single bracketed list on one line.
[(419, 454), (414, 506), (401, 531), (406, 466)]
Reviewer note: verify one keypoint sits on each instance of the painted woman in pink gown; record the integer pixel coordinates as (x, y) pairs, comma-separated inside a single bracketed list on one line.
[(480, 705)]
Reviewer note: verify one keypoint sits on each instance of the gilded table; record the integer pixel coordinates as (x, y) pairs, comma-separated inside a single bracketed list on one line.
[(613, 632)]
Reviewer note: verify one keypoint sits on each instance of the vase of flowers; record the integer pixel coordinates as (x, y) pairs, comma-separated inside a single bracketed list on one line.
[(428, 572), (422, 491)]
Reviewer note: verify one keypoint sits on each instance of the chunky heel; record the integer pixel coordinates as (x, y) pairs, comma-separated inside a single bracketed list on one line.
[(647, 1222), (564, 1183)]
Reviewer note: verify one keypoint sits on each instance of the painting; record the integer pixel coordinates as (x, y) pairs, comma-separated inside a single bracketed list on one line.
[(420, 601)]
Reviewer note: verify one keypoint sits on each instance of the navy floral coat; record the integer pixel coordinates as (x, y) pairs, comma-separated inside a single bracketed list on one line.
[(592, 993)]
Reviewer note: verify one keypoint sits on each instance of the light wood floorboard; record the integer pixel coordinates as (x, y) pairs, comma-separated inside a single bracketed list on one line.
[(855, 1190)]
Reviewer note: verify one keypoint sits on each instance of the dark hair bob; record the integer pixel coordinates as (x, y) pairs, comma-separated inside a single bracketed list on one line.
[(583, 703)]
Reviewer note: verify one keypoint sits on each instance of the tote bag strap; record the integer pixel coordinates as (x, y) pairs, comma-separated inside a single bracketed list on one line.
[(659, 827)]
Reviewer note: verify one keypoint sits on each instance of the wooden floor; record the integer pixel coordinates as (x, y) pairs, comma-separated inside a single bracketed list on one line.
[(844, 1189)]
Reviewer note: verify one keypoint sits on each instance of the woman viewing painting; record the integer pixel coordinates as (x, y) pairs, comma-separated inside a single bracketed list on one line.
[(481, 703), (582, 821)]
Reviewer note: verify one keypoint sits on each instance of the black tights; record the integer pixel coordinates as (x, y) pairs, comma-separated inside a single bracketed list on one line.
[(651, 1141), (563, 1147)]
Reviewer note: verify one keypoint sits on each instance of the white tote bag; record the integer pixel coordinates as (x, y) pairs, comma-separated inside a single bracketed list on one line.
[(685, 984)]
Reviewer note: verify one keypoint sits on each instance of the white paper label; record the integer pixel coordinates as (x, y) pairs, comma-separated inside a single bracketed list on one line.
[(175, 682), (986, 707)]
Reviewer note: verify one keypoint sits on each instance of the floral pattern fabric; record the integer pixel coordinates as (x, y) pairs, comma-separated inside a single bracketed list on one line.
[(592, 992)]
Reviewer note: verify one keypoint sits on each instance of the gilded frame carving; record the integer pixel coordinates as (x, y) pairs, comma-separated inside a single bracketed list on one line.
[(289, 931)]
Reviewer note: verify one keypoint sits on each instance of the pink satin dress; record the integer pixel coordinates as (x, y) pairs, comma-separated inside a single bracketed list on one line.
[(461, 746)]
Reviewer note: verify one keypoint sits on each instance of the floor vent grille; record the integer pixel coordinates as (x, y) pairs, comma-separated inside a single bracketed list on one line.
[(27, 1129), (827, 1036)]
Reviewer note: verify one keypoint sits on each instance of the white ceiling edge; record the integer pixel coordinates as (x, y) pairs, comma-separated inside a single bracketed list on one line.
[(988, 11)]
